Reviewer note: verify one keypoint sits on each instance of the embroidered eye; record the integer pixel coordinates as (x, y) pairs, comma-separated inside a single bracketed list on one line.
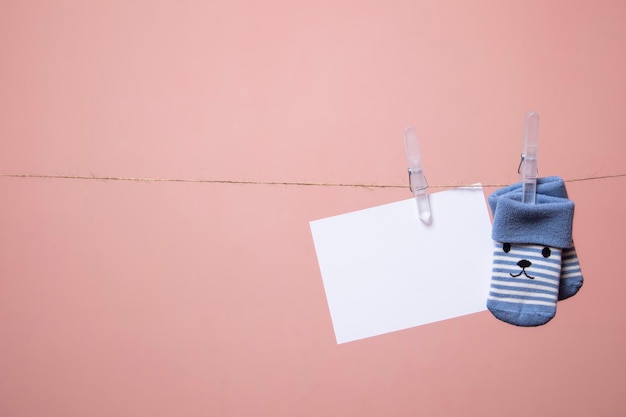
[(546, 252), (506, 247)]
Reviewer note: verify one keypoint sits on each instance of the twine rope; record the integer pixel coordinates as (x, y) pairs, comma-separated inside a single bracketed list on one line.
[(266, 183)]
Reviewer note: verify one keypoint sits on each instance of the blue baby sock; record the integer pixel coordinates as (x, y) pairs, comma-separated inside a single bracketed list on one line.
[(571, 275), (571, 279), (529, 245)]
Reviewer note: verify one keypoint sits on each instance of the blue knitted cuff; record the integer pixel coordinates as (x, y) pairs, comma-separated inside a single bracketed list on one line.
[(547, 222), (554, 186)]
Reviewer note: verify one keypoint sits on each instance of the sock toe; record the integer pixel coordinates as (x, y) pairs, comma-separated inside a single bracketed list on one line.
[(520, 317)]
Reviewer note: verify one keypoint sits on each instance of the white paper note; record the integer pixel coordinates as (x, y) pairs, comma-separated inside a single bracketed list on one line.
[(384, 270)]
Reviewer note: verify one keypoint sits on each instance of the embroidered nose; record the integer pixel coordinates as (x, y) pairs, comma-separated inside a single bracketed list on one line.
[(524, 263)]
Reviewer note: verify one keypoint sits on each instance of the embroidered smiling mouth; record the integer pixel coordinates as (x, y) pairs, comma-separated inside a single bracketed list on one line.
[(522, 272)]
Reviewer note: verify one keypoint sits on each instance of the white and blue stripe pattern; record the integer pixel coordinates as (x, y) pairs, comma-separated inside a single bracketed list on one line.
[(525, 283), (571, 275)]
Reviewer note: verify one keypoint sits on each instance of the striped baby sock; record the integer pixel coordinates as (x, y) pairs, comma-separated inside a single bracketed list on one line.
[(571, 275), (524, 283), (529, 245), (571, 279)]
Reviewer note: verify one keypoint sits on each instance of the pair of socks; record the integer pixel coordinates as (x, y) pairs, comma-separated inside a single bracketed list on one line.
[(535, 262)]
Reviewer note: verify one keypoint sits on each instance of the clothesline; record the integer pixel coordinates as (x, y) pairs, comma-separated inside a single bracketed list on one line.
[(268, 183)]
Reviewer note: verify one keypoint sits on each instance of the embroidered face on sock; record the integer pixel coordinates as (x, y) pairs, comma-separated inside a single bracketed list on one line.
[(529, 259)]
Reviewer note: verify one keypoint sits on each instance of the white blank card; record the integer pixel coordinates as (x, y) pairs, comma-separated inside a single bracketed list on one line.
[(384, 270)]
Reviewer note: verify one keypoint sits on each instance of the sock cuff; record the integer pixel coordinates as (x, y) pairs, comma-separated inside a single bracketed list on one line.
[(547, 222), (552, 186)]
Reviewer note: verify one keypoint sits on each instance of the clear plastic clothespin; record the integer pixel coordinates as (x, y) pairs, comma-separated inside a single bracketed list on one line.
[(528, 165), (417, 180)]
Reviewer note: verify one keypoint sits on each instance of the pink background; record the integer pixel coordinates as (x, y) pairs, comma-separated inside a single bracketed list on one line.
[(122, 298)]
